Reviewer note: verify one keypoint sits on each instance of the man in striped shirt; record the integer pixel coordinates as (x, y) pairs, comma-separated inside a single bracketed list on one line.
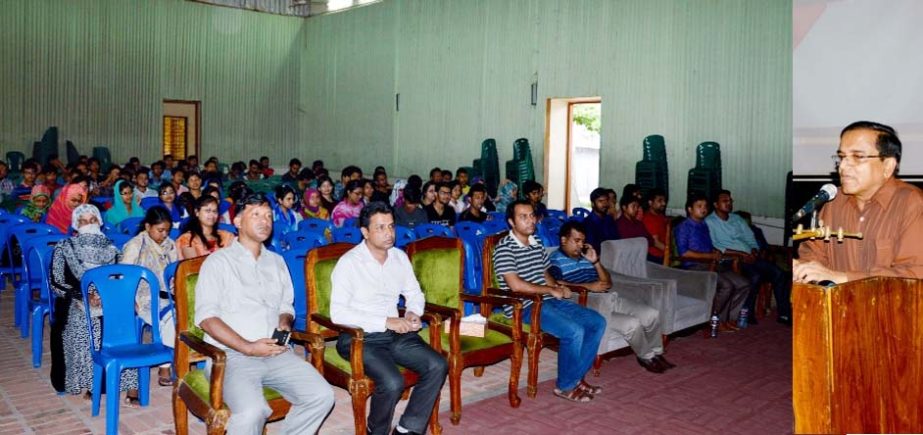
[(576, 263), (521, 265)]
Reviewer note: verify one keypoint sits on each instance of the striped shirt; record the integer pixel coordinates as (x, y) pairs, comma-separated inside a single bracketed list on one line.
[(527, 262), (579, 271)]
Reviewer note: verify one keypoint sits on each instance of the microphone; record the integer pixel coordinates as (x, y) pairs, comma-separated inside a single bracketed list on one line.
[(827, 193)]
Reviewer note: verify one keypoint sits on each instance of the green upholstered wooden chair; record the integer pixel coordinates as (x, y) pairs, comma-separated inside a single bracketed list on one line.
[(194, 391), (535, 338), (348, 374), (438, 263)]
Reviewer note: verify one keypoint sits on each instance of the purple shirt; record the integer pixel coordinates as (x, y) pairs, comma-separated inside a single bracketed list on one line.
[(692, 236), (630, 229), (599, 229)]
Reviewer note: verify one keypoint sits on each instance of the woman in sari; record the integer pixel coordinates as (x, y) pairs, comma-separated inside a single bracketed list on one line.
[(153, 249), (38, 204), (71, 196), (72, 257)]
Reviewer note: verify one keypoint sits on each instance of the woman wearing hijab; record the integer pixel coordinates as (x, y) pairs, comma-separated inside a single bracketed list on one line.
[(351, 205), (153, 249), (123, 204), (71, 196), (72, 257), (506, 195), (38, 204), (312, 207)]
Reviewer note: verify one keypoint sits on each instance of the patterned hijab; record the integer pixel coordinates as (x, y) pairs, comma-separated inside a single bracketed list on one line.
[(506, 195), (59, 215), (32, 211), (89, 248)]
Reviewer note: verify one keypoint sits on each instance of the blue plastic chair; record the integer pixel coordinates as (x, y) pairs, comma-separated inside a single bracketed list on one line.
[(121, 349), (18, 234), (347, 235), (294, 259), (558, 215), (174, 234), (119, 239), (303, 239), (228, 227), (150, 201), (129, 225), (580, 213), (350, 222), (403, 236), (315, 224), (429, 230), (496, 215), (494, 226), (36, 268), (7, 221)]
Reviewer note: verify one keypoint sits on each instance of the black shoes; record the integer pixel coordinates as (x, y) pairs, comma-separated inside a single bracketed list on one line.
[(663, 361), (651, 365)]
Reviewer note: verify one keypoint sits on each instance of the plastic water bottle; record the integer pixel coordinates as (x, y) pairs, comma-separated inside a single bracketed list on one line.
[(742, 318), (714, 326)]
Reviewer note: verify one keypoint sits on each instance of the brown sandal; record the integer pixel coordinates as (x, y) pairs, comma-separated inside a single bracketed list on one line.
[(592, 389), (576, 395)]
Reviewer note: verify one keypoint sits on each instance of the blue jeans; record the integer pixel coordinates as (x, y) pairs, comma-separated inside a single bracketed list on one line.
[(579, 330)]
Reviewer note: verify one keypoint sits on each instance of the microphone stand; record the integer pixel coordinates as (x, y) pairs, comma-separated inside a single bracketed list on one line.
[(819, 231)]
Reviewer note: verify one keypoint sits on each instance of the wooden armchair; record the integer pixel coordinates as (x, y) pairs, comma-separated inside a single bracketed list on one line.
[(438, 263), (535, 338), (193, 391), (348, 374)]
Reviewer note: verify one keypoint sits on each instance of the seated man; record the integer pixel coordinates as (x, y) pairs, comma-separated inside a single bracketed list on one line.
[(409, 213), (629, 224), (577, 263), (476, 211), (534, 192), (244, 292), (731, 235), (600, 225), (440, 212), (655, 221), (694, 243), (521, 265), (367, 282)]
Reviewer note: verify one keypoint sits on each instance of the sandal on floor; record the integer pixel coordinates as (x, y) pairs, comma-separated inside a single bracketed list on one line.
[(165, 381), (575, 395), (132, 402), (592, 389)]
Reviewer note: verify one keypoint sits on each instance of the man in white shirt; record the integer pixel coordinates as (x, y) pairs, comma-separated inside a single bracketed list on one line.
[(244, 292), (367, 282)]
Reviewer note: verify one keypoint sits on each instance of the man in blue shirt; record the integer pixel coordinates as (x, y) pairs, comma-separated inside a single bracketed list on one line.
[(600, 225), (576, 263), (731, 235), (695, 248)]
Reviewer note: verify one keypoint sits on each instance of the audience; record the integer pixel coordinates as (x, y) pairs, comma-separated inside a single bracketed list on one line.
[(244, 292), (694, 246), (38, 204), (476, 211), (522, 265), (284, 217), (506, 194), (456, 202), (201, 235), (367, 283), (167, 195), (89, 248), (577, 263), (534, 192), (61, 211), (294, 169), (429, 192), (153, 249), (325, 187), (311, 206), (409, 213), (628, 225)]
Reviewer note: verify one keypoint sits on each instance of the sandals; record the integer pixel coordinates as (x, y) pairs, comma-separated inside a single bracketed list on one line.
[(132, 402), (592, 389), (165, 381), (578, 395)]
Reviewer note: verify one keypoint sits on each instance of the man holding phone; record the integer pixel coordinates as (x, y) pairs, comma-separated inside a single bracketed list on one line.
[(244, 293), (367, 283), (576, 263)]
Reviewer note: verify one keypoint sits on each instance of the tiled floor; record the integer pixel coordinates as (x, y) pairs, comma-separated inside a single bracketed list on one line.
[(740, 383)]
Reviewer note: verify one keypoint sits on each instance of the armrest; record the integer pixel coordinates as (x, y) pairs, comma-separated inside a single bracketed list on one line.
[(535, 320), (324, 321), (487, 301), (581, 293), (507, 293), (435, 324), (313, 343), (216, 378)]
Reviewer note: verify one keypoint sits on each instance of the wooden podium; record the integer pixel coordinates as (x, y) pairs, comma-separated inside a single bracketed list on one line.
[(857, 357)]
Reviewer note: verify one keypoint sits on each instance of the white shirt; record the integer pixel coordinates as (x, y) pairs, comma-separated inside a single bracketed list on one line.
[(148, 193), (365, 292), (248, 294)]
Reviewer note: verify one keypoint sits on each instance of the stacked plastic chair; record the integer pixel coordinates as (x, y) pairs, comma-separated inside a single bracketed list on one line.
[(42, 151), (102, 154), (520, 169), (705, 177), (488, 166), (651, 172)]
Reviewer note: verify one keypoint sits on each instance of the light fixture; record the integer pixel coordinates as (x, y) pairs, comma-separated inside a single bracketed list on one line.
[(534, 93)]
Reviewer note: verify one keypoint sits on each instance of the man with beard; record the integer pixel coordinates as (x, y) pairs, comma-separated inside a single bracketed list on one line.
[(600, 225)]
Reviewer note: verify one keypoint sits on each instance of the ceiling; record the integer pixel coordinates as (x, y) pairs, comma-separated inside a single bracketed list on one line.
[(297, 8)]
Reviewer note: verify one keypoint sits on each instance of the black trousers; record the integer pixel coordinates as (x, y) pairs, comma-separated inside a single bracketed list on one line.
[(382, 353)]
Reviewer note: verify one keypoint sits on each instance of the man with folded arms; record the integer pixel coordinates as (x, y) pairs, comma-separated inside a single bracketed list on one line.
[(244, 293), (367, 282), (887, 211), (522, 265)]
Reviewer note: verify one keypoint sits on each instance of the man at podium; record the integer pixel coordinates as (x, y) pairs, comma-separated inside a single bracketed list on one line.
[(887, 211)]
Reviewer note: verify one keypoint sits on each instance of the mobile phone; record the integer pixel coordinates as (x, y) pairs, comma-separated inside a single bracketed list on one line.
[(585, 248), (281, 337)]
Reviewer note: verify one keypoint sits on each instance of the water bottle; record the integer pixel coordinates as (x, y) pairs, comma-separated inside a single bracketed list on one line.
[(714, 326), (742, 318)]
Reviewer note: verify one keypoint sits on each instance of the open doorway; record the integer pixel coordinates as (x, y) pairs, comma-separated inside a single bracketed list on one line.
[(572, 146)]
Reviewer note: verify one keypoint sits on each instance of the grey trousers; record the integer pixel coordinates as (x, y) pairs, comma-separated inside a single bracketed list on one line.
[(730, 294), (639, 324), (244, 378)]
